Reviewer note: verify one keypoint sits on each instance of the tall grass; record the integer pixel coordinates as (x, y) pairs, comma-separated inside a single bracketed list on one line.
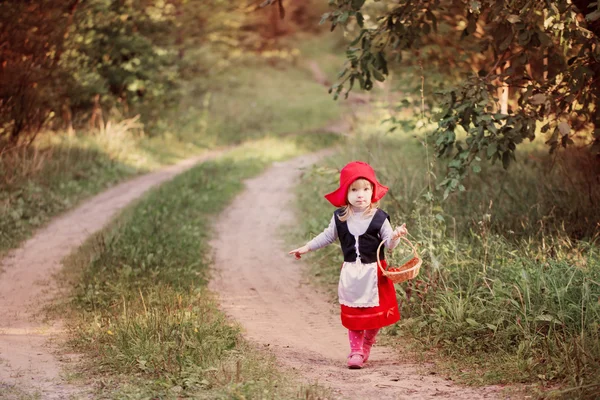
[(39, 182), (143, 316), (511, 268), (245, 102)]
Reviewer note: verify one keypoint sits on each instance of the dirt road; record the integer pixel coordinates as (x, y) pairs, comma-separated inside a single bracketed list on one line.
[(261, 287), (267, 296), (28, 359)]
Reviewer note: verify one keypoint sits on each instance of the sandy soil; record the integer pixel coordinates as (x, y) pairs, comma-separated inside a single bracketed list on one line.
[(28, 355), (261, 287)]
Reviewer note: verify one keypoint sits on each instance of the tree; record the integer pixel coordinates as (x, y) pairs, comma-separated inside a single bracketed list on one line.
[(543, 57), (32, 46), (122, 53), (79, 60)]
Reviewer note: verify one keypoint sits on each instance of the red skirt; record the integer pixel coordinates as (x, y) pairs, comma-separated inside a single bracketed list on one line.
[(386, 313)]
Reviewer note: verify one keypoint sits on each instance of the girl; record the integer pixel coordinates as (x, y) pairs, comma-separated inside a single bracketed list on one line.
[(367, 298)]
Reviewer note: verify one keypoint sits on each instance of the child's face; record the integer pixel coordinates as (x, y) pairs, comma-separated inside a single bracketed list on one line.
[(360, 193)]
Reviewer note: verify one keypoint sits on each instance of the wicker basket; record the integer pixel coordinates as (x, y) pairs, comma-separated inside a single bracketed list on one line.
[(406, 271)]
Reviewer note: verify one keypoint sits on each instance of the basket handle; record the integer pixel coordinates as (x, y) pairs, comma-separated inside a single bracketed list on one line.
[(407, 241)]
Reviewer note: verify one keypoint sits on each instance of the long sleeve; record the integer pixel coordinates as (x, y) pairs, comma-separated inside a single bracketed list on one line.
[(328, 236), (386, 232)]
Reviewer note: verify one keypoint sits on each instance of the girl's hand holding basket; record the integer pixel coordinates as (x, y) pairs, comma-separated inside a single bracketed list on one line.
[(409, 269), (399, 232)]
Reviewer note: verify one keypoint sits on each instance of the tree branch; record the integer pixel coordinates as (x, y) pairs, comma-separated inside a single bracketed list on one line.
[(584, 7)]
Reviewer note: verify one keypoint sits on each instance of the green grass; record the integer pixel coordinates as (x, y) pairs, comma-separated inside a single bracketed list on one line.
[(10, 392), (250, 104), (511, 275), (40, 182), (141, 313)]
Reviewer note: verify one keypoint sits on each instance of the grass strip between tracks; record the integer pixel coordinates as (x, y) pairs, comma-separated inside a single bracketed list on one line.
[(141, 313)]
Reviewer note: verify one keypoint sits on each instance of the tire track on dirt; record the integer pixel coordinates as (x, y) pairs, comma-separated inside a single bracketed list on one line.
[(261, 287), (28, 358)]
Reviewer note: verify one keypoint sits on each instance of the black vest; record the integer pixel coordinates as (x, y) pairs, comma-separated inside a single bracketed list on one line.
[(367, 242)]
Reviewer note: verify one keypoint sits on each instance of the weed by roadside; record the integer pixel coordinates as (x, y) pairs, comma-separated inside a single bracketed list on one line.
[(58, 171), (495, 292), (141, 313), (10, 392)]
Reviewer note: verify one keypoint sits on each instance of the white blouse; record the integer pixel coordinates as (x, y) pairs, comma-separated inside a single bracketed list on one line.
[(357, 225), (357, 286)]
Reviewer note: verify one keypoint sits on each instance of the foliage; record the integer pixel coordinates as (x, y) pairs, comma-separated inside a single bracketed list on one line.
[(37, 183), (117, 50), (502, 277), (520, 64), (74, 57), (78, 64), (31, 47), (56, 172)]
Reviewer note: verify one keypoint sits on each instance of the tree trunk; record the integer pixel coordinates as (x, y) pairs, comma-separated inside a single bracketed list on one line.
[(96, 118), (503, 92), (274, 22), (67, 116)]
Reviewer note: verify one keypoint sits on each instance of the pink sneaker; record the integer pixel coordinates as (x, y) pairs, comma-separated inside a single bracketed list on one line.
[(355, 361)]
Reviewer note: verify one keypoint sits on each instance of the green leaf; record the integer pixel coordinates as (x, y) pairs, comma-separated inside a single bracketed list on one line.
[(544, 38), (593, 16), (342, 73), (357, 4), (524, 37), (506, 42), (378, 75), (446, 192), (506, 159), (564, 128), (492, 149), (360, 19), (455, 164), (344, 17), (432, 18), (545, 318), (475, 6), (538, 99), (492, 327), (471, 24), (513, 19), (426, 29)]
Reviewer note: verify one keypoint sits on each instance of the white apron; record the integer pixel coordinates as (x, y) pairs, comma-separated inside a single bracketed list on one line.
[(358, 285)]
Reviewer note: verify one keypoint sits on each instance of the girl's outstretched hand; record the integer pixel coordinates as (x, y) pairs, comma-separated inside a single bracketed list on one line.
[(299, 251), (400, 232)]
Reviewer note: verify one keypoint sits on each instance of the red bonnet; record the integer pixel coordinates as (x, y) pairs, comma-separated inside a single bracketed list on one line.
[(351, 172)]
